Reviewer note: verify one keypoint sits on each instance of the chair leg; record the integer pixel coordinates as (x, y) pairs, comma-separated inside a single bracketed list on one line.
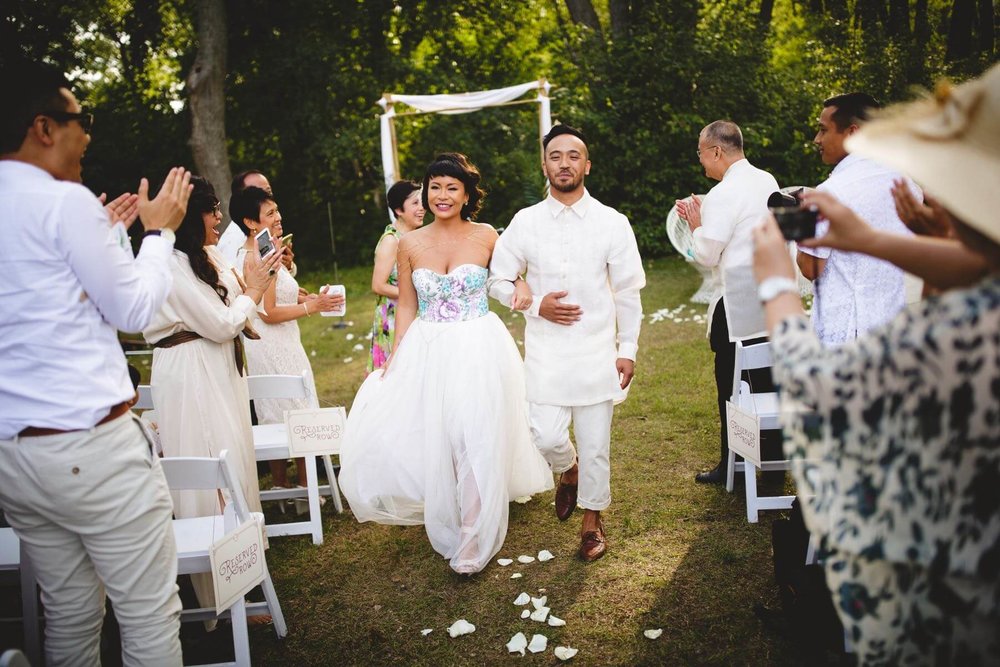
[(312, 492), (29, 610), (241, 637), (273, 605), (750, 475), (334, 489), (730, 469)]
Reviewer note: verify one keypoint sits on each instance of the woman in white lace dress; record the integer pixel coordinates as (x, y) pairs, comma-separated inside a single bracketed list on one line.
[(279, 350)]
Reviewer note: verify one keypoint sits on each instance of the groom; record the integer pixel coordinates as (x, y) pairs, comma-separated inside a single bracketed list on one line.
[(582, 257)]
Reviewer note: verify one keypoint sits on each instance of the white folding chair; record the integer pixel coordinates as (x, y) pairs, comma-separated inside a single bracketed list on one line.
[(765, 406), (13, 559), (271, 444), (195, 537), (145, 401)]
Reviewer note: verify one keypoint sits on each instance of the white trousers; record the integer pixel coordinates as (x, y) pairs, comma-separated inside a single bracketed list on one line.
[(592, 428), (93, 511)]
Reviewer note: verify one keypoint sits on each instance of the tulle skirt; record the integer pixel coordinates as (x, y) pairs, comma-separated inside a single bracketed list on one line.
[(443, 439)]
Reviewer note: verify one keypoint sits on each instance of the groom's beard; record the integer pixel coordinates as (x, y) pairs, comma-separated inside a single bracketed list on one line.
[(567, 186)]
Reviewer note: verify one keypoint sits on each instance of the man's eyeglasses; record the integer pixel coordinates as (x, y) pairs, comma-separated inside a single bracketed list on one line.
[(86, 120), (706, 148)]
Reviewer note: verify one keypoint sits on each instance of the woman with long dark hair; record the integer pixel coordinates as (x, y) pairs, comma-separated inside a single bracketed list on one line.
[(199, 391)]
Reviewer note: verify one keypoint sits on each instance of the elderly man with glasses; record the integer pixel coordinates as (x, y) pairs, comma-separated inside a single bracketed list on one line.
[(722, 224)]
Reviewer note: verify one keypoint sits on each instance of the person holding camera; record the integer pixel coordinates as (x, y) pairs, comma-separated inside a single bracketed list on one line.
[(855, 293), (78, 482), (894, 435), (721, 225)]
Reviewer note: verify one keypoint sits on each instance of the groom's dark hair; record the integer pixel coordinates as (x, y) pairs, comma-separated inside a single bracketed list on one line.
[(563, 129)]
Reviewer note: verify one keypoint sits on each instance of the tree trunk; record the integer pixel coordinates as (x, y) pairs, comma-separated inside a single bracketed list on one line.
[(960, 30), (921, 26), (837, 9), (899, 18), (986, 27), (206, 95), (619, 11), (582, 12), (765, 13)]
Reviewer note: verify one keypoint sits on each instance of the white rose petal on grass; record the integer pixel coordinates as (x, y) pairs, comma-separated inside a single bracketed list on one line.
[(517, 643), (516, 575), (538, 603), (348, 360), (504, 562), (461, 627), (525, 613), (556, 622), (539, 614), (653, 634), (358, 347), (520, 500), (312, 353), (350, 324), (545, 555), (525, 559), (565, 652), (426, 631), (538, 643), (522, 599), (349, 336)]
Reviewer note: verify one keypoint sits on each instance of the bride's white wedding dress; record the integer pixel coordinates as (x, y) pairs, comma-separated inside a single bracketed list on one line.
[(443, 439)]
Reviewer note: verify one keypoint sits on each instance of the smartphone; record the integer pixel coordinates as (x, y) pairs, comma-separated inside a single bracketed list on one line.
[(265, 246), (286, 240), (334, 289)]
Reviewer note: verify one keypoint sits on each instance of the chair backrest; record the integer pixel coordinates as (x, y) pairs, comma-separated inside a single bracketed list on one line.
[(749, 357), (196, 473), (145, 401), (277, 386)]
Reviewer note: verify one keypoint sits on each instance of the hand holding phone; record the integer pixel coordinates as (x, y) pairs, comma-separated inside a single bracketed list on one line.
[(328, 291), (265, 245), (286, 240)]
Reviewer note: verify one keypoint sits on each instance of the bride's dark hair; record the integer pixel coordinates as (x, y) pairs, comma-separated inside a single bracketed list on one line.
[(190, 236), (457, 166)]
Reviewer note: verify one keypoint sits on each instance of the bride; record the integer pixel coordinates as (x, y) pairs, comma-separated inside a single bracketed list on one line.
[(440, 435)]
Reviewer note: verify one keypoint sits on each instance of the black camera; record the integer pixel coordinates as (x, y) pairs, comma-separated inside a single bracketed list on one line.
[(795, 223)]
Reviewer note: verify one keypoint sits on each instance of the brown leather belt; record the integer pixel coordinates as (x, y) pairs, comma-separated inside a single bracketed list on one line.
[(180, 337), (34, 431)]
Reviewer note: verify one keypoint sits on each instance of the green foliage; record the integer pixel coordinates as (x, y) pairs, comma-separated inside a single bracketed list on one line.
[(304, 77)]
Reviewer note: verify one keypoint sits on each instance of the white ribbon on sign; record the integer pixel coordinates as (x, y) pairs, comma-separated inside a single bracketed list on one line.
[(744, 432), (315, 432), (237, 564)]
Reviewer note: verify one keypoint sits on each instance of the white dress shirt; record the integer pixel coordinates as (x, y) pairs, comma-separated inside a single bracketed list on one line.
[(857, 292), (68, 287), (724, 242), (588, 250), (231, 241)]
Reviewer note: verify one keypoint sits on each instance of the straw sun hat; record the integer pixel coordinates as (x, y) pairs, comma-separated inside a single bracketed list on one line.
[(950, 144)]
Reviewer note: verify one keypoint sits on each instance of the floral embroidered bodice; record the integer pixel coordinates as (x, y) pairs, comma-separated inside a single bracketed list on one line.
[(456, 296)]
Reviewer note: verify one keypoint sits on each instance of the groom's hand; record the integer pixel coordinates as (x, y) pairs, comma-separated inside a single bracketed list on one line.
[(560, 313), (626, 369)]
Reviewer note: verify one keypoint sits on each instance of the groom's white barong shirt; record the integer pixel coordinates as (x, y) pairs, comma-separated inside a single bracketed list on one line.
[(588, 250)]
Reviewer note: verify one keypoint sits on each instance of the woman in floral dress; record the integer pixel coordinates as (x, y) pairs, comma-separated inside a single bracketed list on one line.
[(404, 201)]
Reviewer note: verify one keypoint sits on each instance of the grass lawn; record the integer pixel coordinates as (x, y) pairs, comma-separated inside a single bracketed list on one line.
[(681, 556)]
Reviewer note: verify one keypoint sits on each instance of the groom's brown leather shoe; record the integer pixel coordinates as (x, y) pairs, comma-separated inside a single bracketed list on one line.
[(593, 544), (565, 499)]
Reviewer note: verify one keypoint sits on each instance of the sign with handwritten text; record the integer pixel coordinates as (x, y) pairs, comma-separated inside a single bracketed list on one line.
[(744, 432), (237, 564), (315, 432)]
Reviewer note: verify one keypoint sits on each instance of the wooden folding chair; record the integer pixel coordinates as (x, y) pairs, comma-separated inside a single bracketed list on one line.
[(14, 559), (271, 444), (765, 406), (196, 536)]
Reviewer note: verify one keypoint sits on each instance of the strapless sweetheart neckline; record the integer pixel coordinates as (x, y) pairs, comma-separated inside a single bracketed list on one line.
[(444, 275)]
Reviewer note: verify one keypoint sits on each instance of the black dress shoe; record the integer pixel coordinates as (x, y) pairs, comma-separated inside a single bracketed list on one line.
[(716, 475)]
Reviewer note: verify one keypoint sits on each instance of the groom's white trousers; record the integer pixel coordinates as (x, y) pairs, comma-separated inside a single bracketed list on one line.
[(592, 428)]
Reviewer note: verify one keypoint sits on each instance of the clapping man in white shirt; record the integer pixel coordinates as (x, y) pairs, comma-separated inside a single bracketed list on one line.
[(78, 482), (582, 329), (721, 226), (855, 293)]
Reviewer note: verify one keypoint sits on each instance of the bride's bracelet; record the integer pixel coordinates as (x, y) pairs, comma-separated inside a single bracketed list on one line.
[(306, 308)]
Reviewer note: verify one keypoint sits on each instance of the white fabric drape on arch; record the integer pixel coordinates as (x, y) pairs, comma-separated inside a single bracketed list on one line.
[(454, 104)]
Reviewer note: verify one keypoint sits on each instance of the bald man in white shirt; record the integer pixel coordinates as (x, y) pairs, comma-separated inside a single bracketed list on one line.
[(582, 329), (79, 483)]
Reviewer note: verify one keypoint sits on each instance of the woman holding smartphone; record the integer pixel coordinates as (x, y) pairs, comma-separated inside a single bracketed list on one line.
[(404, 201), (279, 350)]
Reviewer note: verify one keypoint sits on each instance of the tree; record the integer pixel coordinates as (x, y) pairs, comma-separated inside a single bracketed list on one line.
[(206, 95)]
